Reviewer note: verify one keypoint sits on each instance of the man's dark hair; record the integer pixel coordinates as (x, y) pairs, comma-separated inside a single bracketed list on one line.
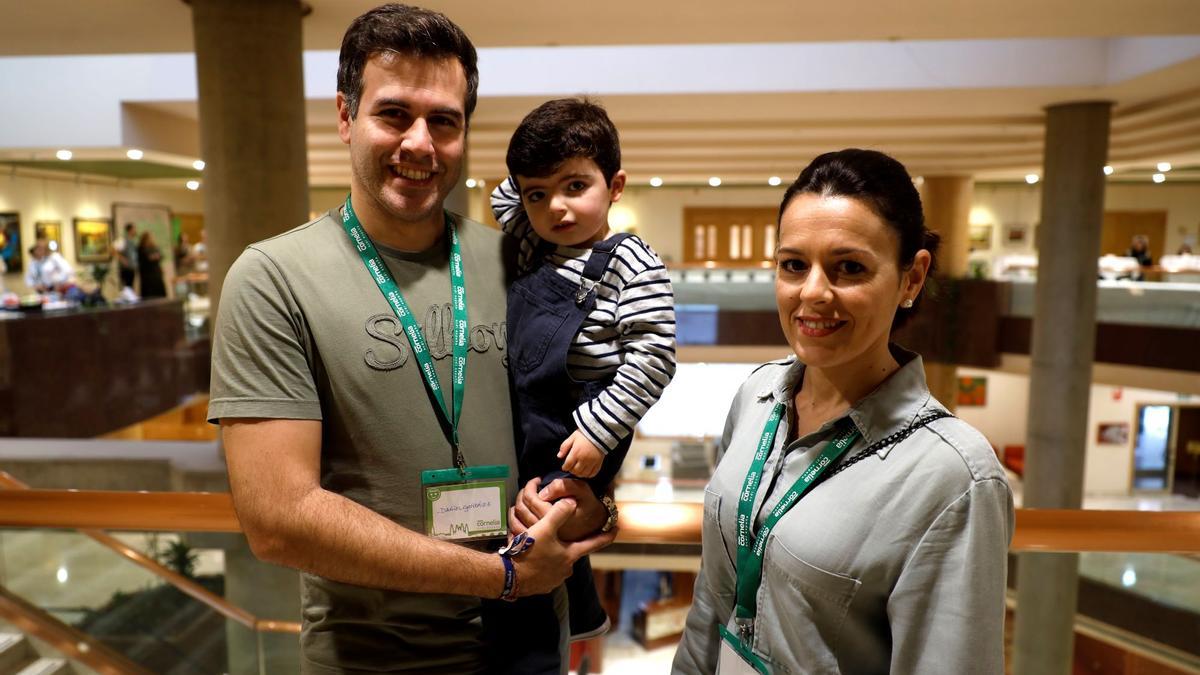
[(130, 226), (883, 185), (563, 129), (406, 30)]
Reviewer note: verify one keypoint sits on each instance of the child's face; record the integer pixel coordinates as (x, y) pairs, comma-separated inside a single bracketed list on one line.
[(570, 206)]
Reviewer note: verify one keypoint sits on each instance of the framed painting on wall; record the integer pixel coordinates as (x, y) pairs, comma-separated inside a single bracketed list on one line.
[(981, 237), (1016, 235), (10, 242), (972, 391), (51, 231), (93, 239), (1112, 433)]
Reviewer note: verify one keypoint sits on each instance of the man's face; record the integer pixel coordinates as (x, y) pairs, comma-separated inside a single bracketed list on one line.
[(408, 138)]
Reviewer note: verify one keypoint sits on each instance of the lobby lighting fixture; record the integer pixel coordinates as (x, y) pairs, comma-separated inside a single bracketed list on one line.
[(1031, 178), (198, 165), (714, 181), (1108, 170), (1164, 166), (656, 182), (919, 181), (774, 180), (1159, 178), (134, 154), (193, 185), (62, 575), (64, 155), (471, 183)]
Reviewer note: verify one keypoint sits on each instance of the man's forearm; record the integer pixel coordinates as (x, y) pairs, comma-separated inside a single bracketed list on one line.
[(339, 539)]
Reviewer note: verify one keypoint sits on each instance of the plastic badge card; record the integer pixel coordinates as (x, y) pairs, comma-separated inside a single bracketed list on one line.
[(470, 505)]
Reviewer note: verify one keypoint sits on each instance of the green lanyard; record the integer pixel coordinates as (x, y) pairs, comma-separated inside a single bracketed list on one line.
[(449, 417), (750, 557)]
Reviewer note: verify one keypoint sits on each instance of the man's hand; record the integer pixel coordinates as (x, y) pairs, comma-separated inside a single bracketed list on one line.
[(535, 502), (547, 564), (583, 457)]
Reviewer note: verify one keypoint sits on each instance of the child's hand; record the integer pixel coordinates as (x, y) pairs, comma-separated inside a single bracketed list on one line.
[(583, 458)]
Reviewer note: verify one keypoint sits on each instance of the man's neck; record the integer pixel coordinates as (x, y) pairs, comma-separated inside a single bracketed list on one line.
[(385, 230)]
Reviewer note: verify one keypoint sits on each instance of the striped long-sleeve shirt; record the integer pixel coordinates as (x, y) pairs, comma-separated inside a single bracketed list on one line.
[(629, 335)]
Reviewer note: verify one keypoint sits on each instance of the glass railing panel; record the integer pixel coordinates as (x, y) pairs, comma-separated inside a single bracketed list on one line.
[(132, 610)]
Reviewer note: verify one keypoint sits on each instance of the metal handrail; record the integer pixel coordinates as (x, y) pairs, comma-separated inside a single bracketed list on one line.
[(10, 485), (1037, 530)]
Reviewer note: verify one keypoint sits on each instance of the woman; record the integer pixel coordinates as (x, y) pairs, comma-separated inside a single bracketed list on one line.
[(874, 526), (149, 262)]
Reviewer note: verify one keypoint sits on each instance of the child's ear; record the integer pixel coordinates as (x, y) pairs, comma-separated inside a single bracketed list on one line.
[(616, 186)]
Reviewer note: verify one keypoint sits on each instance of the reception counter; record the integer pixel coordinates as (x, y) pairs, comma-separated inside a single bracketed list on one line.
[(79, 373)]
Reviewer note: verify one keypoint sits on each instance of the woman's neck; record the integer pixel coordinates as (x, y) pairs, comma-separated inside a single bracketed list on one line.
[(826, 393)]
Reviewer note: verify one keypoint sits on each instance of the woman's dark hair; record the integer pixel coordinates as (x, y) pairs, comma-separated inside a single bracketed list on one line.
[(563, 129), (411, 31), (883, 185)]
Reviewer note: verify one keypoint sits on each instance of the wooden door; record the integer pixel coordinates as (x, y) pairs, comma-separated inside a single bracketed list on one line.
[(1187, 452), (1120, 227), (729, 234)]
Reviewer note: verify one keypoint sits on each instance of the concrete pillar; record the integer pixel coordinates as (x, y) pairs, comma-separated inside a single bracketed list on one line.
[(1064, 335), (252, 132), (946, 201)]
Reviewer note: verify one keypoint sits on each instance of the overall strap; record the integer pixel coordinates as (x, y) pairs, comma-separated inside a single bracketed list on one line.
[(602, 251)]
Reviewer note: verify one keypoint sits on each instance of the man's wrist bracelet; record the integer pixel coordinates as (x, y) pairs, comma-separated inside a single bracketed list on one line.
[(510, 580)]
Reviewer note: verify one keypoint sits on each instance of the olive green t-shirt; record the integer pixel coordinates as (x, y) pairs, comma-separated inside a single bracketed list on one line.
[(303, 332)]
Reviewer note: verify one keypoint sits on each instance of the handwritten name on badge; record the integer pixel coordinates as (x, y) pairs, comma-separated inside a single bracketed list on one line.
[(465, 511)]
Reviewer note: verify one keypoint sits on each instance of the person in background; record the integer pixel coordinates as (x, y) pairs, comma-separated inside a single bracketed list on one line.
[(852, 524), (183, 255), (127, 256), (48, 271), (149, 259)]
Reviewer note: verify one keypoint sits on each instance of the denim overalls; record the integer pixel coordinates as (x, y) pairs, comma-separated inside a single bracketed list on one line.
[(545, 312)]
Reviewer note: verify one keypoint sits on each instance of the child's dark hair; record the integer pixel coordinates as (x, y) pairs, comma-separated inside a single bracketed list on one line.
[(563, 129), (883, 185)]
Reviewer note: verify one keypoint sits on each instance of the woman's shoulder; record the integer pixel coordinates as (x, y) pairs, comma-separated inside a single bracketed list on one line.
[(962, 449)]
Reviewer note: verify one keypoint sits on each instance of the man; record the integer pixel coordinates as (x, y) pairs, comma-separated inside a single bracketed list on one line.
[(330, 396), (48, 271), (127, 256)]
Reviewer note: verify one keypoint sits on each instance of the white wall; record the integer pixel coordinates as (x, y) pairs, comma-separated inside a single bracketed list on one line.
[(1003, 203), (64, 199), (658, 212), (1108, 467)]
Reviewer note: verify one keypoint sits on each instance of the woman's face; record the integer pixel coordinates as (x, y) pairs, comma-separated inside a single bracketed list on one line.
[(838, 280)]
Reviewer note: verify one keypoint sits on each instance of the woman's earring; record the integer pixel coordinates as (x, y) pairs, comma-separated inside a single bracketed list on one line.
[(907, 303)]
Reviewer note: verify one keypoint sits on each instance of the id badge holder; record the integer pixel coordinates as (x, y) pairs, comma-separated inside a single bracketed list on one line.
[(736, 657), (466, 505)]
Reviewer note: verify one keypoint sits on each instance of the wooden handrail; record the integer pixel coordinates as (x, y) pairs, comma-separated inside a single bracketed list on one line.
[(69, 641), (184, 584), (1038, 530)]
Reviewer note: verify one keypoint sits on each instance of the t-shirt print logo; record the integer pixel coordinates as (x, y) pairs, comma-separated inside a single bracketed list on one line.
[(438, 328)]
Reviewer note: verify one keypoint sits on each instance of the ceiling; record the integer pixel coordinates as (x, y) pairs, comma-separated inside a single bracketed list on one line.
[(993, 133)]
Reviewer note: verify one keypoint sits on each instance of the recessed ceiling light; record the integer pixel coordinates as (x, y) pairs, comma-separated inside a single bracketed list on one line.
[(198, 165), (714, 181), (134, 153), (1031, 178), (471, 183), (193, 185), (1108, 170), (64, 155), (656, 182), (1164, 166), (1158, 177), (774, 180)]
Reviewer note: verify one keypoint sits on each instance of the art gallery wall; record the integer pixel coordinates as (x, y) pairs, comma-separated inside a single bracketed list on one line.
[(1004, 421), (1003, 204), (64, 199)]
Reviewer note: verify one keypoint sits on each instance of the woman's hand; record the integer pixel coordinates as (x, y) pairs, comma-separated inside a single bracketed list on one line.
[(533, 504)]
